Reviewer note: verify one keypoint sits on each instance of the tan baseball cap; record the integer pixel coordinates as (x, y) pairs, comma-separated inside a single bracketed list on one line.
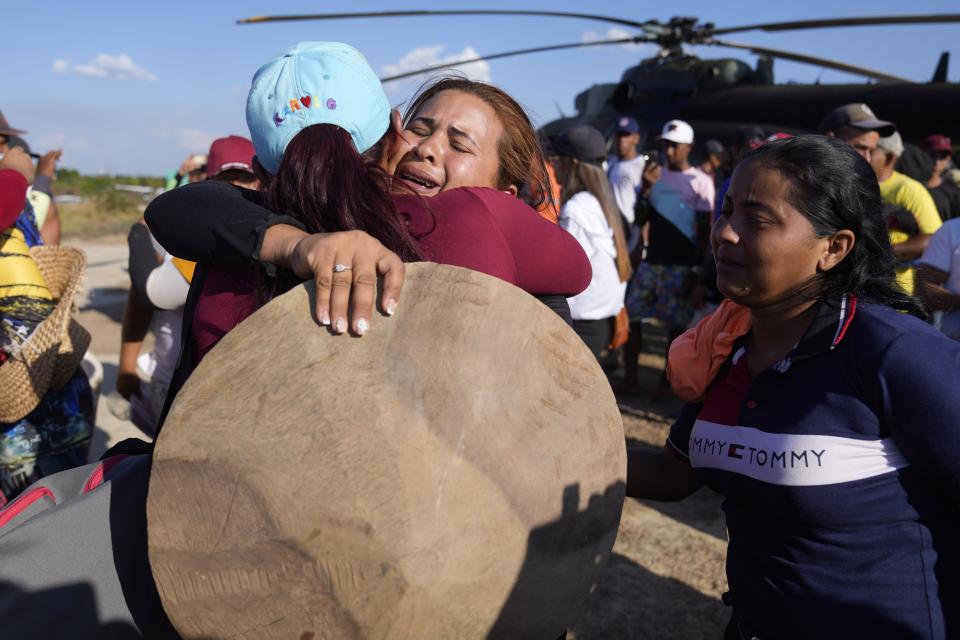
[(858, 115)]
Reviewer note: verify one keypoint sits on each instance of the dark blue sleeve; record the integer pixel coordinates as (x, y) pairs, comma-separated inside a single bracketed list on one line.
[(679, 438), (919, 387)]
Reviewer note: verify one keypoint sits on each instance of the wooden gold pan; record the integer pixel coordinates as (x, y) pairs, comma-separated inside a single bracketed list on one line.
[(456, 473)]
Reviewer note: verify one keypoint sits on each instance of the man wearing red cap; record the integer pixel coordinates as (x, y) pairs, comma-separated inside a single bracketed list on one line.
[(158, 292), (945, 194), (231, 160)]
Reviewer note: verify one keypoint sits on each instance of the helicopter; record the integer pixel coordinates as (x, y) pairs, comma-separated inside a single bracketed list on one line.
[(720, 98)]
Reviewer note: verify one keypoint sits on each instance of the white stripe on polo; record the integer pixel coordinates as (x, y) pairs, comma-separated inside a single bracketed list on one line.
[(791, 459)]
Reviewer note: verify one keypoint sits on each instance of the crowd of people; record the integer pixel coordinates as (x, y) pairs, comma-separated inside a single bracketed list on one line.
[(800, 280), (668, 202)]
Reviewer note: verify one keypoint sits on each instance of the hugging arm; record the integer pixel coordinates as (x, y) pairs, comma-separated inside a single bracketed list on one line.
[(549, 260), (664, 474), (212, 222), (219, 223)]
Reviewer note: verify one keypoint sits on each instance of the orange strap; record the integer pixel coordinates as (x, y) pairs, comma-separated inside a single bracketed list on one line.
[(185, 267)]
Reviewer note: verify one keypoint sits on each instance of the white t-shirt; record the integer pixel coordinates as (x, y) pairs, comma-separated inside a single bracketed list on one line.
[(626, 176), (583, 218), (943, 253)]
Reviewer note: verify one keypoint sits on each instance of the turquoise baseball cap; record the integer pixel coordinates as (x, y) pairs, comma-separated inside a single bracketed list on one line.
[(314, 83)]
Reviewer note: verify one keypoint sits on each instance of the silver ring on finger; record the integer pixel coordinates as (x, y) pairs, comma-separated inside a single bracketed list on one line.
[(340, 268)]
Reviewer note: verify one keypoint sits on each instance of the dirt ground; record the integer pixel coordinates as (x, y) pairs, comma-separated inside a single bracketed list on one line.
[(666, 573)]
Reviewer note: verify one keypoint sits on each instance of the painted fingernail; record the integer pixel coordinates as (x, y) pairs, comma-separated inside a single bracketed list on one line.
[(341, 325), (390, 307), (361, 326), (325, 318)]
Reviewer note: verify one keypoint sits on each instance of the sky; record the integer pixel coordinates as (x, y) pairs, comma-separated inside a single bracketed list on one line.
[(133, 88)]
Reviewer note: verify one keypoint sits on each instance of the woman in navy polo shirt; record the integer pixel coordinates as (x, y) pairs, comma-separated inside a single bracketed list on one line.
[(831, 429)]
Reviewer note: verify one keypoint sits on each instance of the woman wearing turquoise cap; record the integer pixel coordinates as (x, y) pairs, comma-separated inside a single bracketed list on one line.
[(467, 147), (456, 133)]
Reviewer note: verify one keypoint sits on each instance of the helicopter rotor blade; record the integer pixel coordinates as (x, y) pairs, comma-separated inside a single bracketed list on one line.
[(942, 18), (800, 57), (516, 52), (649, 27)]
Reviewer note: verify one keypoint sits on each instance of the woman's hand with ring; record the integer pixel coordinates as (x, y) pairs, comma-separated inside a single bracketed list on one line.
[(344, 265)]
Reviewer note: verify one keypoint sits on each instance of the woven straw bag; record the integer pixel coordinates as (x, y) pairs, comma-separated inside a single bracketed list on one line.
[(52, 353)]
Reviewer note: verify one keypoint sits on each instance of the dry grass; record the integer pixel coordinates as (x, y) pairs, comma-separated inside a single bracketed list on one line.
[(91, 219)]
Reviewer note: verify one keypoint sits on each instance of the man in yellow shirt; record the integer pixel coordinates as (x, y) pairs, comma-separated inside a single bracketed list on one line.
[(908, 194)]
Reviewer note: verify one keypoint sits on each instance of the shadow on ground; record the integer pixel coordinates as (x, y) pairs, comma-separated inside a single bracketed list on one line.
[(98, 443), (107, 300), (621, 608), (632, 601), (700, 511)]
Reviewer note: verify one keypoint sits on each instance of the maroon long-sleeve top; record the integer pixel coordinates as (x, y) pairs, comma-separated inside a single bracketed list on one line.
[(475, 228)]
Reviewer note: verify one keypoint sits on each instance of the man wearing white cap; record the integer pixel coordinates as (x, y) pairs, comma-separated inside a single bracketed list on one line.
[(681, 191), (679, 216)]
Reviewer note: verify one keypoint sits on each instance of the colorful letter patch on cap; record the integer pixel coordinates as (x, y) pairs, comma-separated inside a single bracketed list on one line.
[(303, 102), (315, 83)]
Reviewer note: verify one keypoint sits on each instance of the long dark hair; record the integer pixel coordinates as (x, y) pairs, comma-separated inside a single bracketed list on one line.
[(835, 189), (575, 176), (326, 184)]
